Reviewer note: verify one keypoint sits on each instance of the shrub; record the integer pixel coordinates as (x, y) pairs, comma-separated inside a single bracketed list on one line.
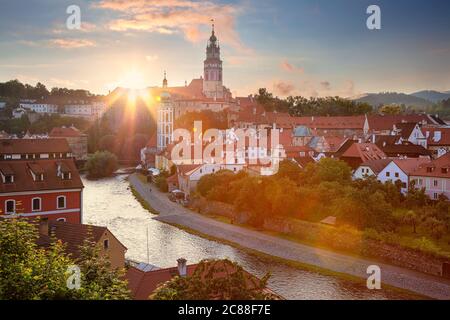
[(101, 164)]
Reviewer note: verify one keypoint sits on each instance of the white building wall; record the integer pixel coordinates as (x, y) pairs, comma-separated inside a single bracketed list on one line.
[(393, 173)]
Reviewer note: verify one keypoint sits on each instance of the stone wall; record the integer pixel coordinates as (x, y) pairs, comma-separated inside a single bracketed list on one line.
[(332, 238), (353, 241)]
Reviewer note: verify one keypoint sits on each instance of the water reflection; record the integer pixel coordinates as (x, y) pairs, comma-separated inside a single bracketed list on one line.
[(109, 202)]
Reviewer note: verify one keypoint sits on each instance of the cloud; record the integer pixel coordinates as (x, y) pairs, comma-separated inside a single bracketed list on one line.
[(325, 85), (71, 43), (152, 57), (187, 17), (283, 88), (286, 66)]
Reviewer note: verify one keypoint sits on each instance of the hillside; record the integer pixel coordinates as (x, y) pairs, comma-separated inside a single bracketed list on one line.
[(377, 99), (431, 95)]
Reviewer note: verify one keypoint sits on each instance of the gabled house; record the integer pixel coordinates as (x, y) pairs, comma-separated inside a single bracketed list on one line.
[(434, 177), (438, 139), (370, 168), (359, 153), (400, 170), (410, 132), (39, 178), (73, 235)]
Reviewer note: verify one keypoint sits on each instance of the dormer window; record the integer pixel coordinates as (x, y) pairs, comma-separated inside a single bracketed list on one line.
[(444, 170), (66, 175), (9, 178), (430, 169)]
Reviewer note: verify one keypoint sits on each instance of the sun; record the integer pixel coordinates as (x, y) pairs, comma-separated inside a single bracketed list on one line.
[(134, 80)]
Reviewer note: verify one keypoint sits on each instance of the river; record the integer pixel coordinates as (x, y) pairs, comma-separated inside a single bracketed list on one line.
[(109, 202)]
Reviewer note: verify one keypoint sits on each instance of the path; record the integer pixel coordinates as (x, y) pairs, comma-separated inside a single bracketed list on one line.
[(170, 212)]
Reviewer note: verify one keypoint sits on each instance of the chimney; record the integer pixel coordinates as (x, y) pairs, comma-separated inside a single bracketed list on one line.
[(182, 269), (43, 226)]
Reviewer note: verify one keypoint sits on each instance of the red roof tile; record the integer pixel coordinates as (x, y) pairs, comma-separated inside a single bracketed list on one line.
[(364, 151), (63, 132), (36, 146), (23, 180), (435, 168)]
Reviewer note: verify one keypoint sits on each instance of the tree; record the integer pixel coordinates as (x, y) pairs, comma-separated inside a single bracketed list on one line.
[(101, 164), (31, 273), (327, 169), (100, 281), (27, 272), (434, 226), (408, 217), (215, 280), (391, 109)]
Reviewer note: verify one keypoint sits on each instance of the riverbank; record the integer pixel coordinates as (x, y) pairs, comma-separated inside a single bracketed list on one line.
[(402, 278)]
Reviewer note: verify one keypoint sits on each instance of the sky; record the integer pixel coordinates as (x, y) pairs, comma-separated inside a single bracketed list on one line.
[(298, 47)]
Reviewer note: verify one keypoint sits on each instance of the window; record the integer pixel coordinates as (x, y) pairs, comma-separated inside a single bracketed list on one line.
[(66, 175), (36, 204), (61, 219), (396, 174), (106, 244), (61, 202), (435, 196), (435, 183), (10, 206), (9, 178), (388, 174)]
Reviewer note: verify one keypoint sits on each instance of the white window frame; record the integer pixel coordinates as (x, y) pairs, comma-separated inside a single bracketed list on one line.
[(61, 219), (40, 204), (6, 206), (57, 202)]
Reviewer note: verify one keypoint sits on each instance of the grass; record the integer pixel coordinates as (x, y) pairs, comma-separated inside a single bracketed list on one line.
[(142, 201), (294, 264)]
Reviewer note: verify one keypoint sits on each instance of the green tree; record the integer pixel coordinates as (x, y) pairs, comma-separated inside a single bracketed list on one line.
[(327, 169), (100, 281), (28, 272), (215, 280), (101, 164)]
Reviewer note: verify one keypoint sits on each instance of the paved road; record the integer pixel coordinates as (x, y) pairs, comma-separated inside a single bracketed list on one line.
[(170, 212)]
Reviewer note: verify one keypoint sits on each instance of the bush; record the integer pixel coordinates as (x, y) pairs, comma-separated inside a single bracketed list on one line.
[(161, 183), (101, 164)]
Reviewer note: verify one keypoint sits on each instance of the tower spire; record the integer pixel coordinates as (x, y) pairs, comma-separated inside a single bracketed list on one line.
[(165, 80)]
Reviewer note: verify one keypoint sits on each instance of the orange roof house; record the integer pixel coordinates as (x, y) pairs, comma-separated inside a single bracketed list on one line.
[(358, 153)]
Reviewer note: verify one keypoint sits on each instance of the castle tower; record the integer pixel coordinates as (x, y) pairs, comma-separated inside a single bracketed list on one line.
[(164, 80), (165, 118), (212, 77)]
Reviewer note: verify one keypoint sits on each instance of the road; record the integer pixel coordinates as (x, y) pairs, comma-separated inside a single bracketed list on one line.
[(173, 213)]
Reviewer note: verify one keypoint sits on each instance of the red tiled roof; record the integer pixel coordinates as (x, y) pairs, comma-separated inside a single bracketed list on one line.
[(408, 149), (37, 146), (63, 132), (377, 165), (341, 122), (364, 151), (184, 169), (406, 129), (409, 165), (142, 284), (387, 122), (72, 235), (23, 180), (431, 132), (440, 168)]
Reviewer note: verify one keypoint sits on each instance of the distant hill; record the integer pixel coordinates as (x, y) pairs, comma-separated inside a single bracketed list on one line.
[(384, 98), (431, 95)]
